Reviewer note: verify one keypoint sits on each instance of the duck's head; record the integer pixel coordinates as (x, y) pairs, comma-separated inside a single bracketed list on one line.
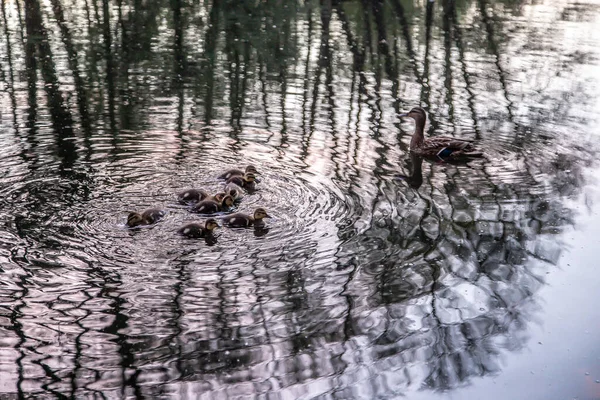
[(251, 169), (227, 201), (234, 193), (260, 213), (219, 196), (417, 113), (249, 177), (211, 224), (134, 219)]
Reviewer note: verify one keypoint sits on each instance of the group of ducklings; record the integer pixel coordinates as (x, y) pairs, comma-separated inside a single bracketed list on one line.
[(237, 182)]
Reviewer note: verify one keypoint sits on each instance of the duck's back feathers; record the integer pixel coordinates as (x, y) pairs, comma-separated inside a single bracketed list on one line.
[(238, 220), (153, 215), (191, 196), (230, 173), (206, 207), (444, 147), (193, 230)]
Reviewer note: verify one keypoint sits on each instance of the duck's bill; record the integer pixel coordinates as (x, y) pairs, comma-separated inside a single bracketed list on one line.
[(403, 115), (268, 216)]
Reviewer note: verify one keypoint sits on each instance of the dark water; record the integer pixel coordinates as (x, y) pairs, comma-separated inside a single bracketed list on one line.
[(362, 285)]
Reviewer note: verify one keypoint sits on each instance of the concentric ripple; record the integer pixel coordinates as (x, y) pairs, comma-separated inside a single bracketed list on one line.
[(304, 205)]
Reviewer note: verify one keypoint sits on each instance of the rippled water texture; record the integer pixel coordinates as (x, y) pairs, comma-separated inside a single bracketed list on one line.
[(362, 285)]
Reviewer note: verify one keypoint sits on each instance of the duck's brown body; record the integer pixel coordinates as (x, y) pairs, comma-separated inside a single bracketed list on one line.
[(247, 181), (440, 147), (196, 230), (192, 196), (212, 206), (148, 217), (237, 172), (241, 220)]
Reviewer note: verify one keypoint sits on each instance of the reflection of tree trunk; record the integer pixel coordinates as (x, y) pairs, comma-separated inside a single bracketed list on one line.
[(62, 121), (11, 75), (17, 327), (110, 70), (461, 58), (494, 48), (447, 23), (262, 78), (73, 65), (31, 69), (210, 54), (358, 55), (384, 47), (367, 32), (404, 26), (125, 348), (307, 70), (179, 62), (425, 82), (324, 60)]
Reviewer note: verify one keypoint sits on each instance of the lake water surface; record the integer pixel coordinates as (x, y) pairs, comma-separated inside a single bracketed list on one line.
[(467, 281)]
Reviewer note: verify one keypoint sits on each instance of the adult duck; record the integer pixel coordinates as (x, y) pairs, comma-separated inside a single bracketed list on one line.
[(444, 148)]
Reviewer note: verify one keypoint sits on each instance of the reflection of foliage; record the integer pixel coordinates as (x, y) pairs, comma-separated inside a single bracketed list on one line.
[(445, 271)]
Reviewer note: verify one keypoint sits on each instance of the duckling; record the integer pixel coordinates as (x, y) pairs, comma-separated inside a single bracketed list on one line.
[(238, 172), (192, 196), (211, 206), (247, 181), (241, 220), (440, 147), (148, 217), (234, 191), (218, 197), (195, 230)]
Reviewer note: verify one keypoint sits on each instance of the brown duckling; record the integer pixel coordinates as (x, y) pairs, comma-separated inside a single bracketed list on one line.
[(192, 196), (218, 197), (212, 206), (148, 217), (195, 230), (238, 172), (241, 220), (247, 181)]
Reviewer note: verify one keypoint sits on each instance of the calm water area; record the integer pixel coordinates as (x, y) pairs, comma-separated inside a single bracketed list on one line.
[(379, 276)]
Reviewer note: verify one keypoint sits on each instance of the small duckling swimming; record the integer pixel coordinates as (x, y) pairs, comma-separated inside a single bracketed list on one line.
[(241, 220), (192, 196), (212, 206), (238, 172), (195, 230), (247, 181), (148, 217), (218, 197)]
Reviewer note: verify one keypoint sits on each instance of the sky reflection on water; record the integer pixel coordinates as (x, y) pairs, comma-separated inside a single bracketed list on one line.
[(363, 285)]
